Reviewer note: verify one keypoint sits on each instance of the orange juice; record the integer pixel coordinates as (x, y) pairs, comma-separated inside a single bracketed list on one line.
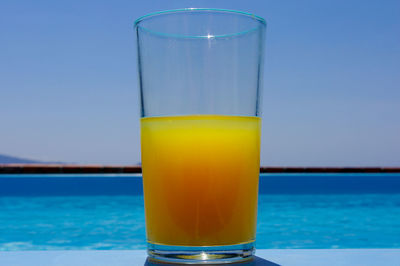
[(200, 178)]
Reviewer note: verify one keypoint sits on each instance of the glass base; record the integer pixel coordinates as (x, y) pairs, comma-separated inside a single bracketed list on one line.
[(202, 254)]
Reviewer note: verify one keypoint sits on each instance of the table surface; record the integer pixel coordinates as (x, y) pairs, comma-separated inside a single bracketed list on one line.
[(266, 257)]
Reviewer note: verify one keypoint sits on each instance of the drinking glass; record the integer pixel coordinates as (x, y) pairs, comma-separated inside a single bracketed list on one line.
[(200, 77)]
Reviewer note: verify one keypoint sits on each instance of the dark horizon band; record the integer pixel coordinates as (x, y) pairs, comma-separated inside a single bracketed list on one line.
[(136, 169)]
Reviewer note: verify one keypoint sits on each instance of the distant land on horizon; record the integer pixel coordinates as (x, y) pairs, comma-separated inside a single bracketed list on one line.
[(6, 159)]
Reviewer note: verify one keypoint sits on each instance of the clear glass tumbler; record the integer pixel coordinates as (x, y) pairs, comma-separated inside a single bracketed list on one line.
[(200, 75)]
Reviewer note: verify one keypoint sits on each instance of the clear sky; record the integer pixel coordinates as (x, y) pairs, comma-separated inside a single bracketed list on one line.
[(69, 90)]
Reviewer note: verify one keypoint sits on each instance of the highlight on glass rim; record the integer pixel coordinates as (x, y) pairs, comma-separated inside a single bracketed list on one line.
[(234, 133)]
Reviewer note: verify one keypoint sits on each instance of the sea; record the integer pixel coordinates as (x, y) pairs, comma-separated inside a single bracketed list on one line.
[(104, 212)]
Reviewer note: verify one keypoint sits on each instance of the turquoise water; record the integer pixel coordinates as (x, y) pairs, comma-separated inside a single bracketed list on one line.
[(117, 222)]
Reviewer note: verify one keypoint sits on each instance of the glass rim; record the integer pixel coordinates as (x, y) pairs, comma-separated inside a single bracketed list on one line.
[(181, 10)]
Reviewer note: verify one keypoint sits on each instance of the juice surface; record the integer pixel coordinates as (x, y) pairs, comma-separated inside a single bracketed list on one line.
[(200, 178)]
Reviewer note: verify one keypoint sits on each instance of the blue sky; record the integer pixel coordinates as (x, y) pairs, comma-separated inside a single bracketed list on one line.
[(69, 91)]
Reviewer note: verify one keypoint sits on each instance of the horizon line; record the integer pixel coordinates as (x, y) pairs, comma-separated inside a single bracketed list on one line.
[(137, 169)]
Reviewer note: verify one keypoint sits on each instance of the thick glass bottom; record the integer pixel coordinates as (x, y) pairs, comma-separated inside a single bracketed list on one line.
[(201, 254)]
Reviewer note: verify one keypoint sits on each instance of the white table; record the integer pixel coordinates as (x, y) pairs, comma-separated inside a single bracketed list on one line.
[(266, 257)]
